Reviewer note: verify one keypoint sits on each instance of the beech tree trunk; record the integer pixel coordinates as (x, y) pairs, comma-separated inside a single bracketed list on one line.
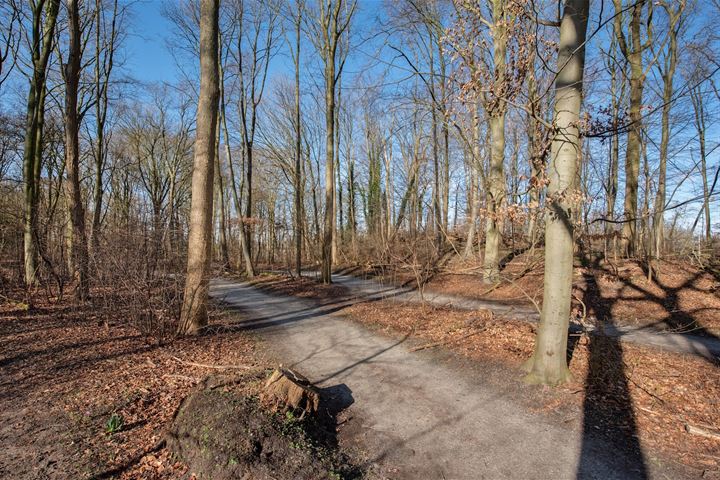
[(548, 364), (79, 252), (332, 25), (496, 178), (193, 316), (473, 196)]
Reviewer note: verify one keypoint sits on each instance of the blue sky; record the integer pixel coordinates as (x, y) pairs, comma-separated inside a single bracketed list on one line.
[(148, 58)]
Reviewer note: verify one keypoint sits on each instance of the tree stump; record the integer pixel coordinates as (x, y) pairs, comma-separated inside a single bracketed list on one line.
[(287, 390)]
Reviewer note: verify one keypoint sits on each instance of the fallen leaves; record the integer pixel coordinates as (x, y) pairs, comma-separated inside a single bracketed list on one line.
[(65, 374)]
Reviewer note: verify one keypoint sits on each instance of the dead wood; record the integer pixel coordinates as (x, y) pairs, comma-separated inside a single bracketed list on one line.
[(693, 430), (287, 390)]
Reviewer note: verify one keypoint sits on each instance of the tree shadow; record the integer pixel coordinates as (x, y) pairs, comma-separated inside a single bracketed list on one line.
[(511, 255), (333, 401), (676, 319), (607, 409)]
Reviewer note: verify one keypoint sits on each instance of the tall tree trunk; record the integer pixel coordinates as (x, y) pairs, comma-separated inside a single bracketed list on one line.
[(79, 252), (633, 53), (298, 210), (437, 202), (41, 48), (549, 364), (474, 197), (224, 256), (103, 70), (337, 186), (697, 99), (658, 234), (329, 226), (535, 155), (193, 316), (616, 98), (496, 178)]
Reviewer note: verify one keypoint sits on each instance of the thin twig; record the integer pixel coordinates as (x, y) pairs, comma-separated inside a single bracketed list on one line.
[(446, 342), (218, 367)]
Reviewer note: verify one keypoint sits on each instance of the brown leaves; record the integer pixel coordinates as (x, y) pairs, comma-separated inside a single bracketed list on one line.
[(72, 374)]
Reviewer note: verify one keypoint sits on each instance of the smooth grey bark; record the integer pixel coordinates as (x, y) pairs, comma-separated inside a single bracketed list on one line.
[(332, 25), (495, 190), (548, 365), (193, 316), (535, 155), (222, 222), (473, 196)]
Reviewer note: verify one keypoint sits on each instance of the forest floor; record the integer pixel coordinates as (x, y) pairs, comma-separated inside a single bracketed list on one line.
[(629, 394), (679, 297), (428, 385), (64, 373)]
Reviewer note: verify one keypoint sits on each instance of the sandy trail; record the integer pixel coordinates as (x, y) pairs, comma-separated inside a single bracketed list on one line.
[(423, 415)]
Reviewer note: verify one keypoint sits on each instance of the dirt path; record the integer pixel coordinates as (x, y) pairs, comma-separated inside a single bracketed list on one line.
[(426, 416), (702, 346)]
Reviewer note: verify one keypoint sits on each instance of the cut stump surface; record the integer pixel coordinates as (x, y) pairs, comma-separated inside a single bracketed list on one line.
[(287, 390)]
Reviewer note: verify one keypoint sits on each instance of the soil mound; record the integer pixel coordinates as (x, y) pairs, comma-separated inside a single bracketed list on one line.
[(225, 435)]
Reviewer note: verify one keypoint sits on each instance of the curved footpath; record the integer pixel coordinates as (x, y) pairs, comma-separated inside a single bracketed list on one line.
[(415, 415), (702, 346)]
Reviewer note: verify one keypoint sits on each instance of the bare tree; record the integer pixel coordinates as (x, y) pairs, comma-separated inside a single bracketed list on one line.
[(9, 37), (548, 364), (44, 18), (297, 179), (79, 251), (667, 71), (255, 48), (700, 119), (633, 50), (333, 20), (106, 44), (194, 309)]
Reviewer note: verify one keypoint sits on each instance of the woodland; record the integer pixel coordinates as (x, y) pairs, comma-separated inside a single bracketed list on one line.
[(216, 269)]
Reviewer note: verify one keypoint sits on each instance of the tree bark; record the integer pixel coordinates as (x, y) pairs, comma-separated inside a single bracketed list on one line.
[(548, 364), (474, 197), (79, 251), (496, 178), (193, 316), (298, 153), (332, 26), (103, 70), (633, 54), (699, 107), (41, 48)]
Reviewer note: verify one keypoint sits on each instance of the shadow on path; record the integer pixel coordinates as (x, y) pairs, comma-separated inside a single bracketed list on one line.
[(608, 410)]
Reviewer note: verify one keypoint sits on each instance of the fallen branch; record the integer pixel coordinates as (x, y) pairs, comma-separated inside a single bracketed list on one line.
[(693, 430), (446, 342), (180, 377), (218, 367)]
